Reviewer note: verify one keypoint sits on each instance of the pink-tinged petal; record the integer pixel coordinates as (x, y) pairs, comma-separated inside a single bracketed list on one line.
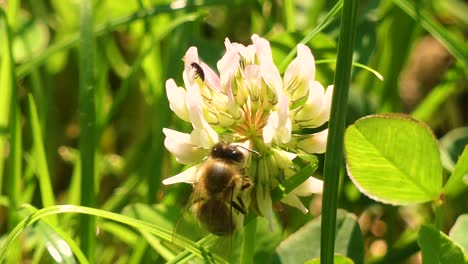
[(211, 78), (247, 53), (188, 176), (191, 56), (190, 72), (268, 70), (228, 65), (176, 96), (310, 186), (294, 201), (182, 147), (316, 143)]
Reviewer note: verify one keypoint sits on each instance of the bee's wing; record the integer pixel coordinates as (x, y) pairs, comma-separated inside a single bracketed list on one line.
[(194, 196)]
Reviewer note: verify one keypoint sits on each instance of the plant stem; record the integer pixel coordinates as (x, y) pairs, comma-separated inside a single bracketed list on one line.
[(87, 128), (334, 153), (248, 243)]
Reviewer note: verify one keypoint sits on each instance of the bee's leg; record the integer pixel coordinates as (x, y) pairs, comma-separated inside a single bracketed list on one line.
[(241, 204), (246, 183), (238, 207)]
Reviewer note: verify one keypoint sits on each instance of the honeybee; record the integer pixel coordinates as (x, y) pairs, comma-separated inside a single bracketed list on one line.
[(222, 195)]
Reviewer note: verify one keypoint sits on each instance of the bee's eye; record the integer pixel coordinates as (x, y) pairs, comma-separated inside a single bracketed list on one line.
[(216, 151), (236, 155)]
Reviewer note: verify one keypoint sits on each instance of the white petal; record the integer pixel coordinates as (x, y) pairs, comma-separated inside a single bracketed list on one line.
[(205, 137), (189, 176), (294, 201), (316, 143), (269, 131), (282, 109), (203, 134), (284, 122), (279, 124), (302, 67), (182, 147), (310, 186), (290, 155), (316, 94), (195, 106), (317, 109), (176, 96), (327, 100)]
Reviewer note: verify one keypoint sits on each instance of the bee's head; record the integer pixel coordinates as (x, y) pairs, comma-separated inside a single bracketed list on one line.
[(227, 152)]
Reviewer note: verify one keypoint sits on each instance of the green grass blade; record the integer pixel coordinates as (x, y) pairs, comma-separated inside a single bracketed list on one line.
[(87, 142), (334, 152), (456, 184), (289, 15), (53, 234), (454, 46), (124, 88), (40, 161), (10, 122), (426, 110), (10, 119), (186, 255), (325, 22), (6, 87), (167, 235), (286, 187), (248, 242), (355, 64)]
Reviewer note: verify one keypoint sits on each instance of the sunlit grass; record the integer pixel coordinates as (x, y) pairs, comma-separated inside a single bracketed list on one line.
[(81, 119)]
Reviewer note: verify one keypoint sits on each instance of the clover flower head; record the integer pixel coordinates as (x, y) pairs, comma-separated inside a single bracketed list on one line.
[(249, 102)]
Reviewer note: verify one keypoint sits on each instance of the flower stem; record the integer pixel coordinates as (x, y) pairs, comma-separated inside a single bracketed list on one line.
[(87, 142), (248, 243), (334, 153)]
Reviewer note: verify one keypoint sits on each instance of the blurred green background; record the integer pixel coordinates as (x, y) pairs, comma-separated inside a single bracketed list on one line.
[(418, 47)]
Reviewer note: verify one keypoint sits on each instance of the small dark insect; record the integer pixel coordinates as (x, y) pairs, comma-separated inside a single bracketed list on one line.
[(199, 70)]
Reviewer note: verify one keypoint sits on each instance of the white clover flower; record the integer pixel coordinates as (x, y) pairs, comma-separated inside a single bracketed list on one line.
[(250, 103)]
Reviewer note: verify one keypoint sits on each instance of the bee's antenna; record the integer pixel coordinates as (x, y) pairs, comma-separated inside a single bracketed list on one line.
[(250, 150)]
